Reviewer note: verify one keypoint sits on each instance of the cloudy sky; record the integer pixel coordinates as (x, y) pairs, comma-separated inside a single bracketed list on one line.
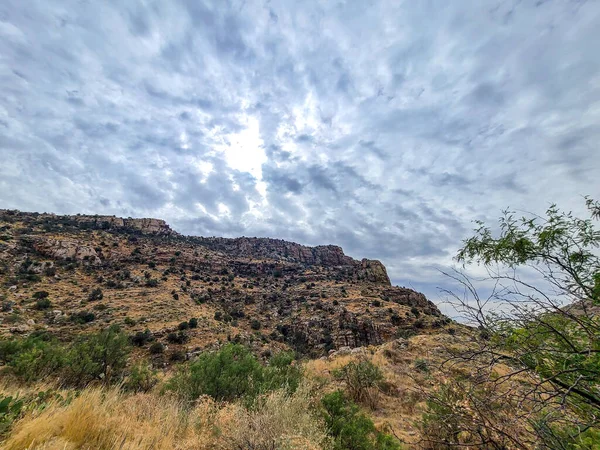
[(385, 127)]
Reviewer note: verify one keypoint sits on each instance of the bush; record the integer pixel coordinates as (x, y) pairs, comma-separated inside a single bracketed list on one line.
[(141, 378), (140, 338), (99, 356), (96, 294), (156, 348), (82, 317), (361, 379), (350, 429), (183, 326), (128, 321), (422, 365), (255, 324), (193, 323), (40, 294), (177, 356), (43, 303), (177, 338), (34, 357), (234, 372), (10, 410)]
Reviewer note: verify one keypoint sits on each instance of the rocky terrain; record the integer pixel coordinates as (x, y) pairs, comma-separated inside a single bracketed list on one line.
[(74, 274)]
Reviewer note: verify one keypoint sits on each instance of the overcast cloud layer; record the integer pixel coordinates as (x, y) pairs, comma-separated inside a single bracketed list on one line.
[(385, 127)]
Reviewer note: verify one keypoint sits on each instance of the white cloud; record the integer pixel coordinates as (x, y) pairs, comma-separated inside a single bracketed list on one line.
[(384, 127)]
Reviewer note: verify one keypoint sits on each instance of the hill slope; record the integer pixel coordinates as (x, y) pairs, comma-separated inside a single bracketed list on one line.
[(73, 274)]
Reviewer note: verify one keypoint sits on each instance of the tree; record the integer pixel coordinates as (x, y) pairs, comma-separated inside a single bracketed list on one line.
[(541, 317)]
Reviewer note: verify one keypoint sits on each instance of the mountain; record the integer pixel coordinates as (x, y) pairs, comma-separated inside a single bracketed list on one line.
[(75, 274)]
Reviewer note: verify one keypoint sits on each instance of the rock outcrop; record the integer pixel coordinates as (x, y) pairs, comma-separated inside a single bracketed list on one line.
[(67, 248), (144, 226), (331, 256)]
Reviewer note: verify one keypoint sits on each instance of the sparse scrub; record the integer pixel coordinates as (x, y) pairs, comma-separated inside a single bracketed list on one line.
[(362, 380), (351, 429), (141, 378), (231, 373), (96, 294), (98, 356)]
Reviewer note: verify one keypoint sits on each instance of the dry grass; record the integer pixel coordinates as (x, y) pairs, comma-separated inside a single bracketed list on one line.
[(108, 419)]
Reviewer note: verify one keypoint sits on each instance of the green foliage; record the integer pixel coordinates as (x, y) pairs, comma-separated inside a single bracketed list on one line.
[(351, 429), (99, 356), (560, 240), (10, 409), (361, 378), (96, 294), (156, 348), (141, 338), (43, 303), (422, 365), (233, 372), (34, 357), (560, 345), (193, 323), (567, 437), (82, 317), (141, 378), (180, 337)]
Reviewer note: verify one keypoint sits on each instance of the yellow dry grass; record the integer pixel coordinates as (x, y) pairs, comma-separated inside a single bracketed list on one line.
[(108, 419)]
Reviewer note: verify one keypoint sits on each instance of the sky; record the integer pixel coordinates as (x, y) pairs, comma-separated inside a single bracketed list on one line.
[(385, 127)]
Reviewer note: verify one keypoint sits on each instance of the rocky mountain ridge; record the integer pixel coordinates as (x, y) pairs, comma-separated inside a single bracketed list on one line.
[(268, 293)]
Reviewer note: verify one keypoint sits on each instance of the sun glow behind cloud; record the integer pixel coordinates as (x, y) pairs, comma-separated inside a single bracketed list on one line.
[(297, 120)]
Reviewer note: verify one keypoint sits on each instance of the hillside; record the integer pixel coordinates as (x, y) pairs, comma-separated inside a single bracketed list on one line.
[(75, 274)]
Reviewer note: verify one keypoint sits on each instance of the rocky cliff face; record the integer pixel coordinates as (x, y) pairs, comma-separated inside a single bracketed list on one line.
[(145, 226), (263, 292), (330, 256), (67, 249)]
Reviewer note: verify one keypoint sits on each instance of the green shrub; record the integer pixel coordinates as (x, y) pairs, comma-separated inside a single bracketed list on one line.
[(98, 356), (177, 338), (10, 410), (40, 294), (34, 357), (422, 365), (156, 348), (141, 338), (361, 379), (96, 294), (281, 372), (234, 372), (141, 378), (128, 321), (351, 429), (230, 373), (82, 317), (255, 324), (193, 323), (183, 326), (43, 303)]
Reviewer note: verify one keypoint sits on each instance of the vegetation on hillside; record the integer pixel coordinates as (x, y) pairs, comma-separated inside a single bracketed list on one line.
[(542, 324)]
